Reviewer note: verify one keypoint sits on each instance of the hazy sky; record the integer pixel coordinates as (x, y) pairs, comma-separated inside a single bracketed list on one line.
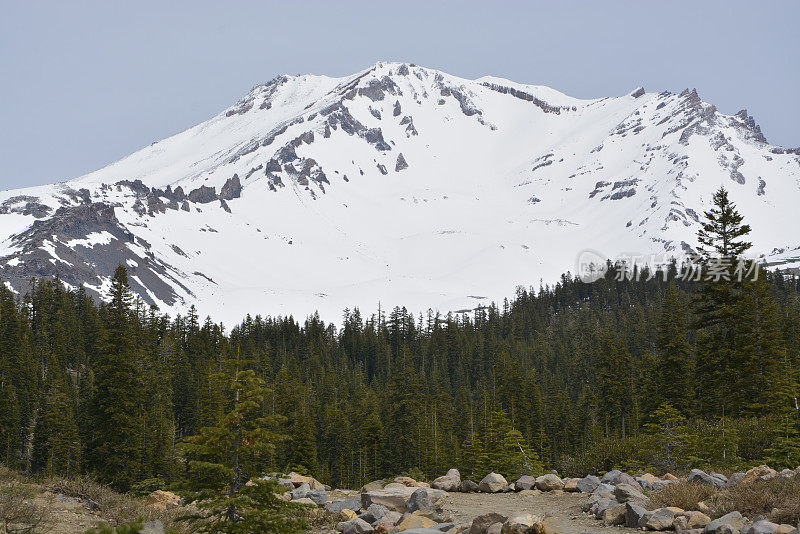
[(85, 83)]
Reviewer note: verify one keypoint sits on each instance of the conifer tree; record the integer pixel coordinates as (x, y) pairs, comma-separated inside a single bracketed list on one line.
[(722, 244), (223, 458), (116, 432), (674, 354)]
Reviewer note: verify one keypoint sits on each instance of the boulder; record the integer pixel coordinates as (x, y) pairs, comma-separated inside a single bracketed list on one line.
[(374, 513), (758, 473), (626, 492), (521, 524), (301, 491), (354, 526), (421, 499), (636, 516), (394, 497), (701, 477), (616, 476), (661, 519), (353, 504), (670, 477), (449, 482), (614, 515), (298, 480), (468, 486), (415, 521), (601, 505), (548, 525), (346, 515), (549, 482), (703, 507), (481, 524), (604, 488), (730, 523), (525, 482), (319, 496), (370, 486), (588, 484), (697, 520), (787, 473), (493, 483), (571, 484), (162, 500), (304, 500), (407, 481), (760, 527)]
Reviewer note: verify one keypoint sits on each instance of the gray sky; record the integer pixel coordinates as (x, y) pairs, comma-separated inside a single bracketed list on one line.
[(85, 83)]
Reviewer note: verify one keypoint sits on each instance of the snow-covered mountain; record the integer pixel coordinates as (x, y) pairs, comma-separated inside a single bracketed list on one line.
[(403, 185)]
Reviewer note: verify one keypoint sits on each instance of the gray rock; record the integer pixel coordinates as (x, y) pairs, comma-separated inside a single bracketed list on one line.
[(452, 480), (421, 499), (319, 496), (481, 524), (468, 486), (301, 491), (636, 516), (601, 505), (549, 482), (370, 486), (661, 519), (525, 482), (604, 488), (354, 526), (701, 477), (353, 504), (401, 163), (618, 477), (374, 513), (760, 527), (92, 505), (588, 484), (626, 492), (730, 523), (493, 483)]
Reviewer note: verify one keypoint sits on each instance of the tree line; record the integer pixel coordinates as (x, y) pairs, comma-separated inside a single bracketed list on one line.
[(656, 373)]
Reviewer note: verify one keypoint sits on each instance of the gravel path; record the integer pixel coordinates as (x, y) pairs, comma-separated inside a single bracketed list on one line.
[(566, 507)]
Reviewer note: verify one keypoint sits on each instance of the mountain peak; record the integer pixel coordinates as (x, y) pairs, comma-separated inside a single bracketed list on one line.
[(402, 184)]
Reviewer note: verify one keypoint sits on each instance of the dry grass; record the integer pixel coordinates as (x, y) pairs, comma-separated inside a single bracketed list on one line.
[(683, 494), (115, 508), (777, 499)]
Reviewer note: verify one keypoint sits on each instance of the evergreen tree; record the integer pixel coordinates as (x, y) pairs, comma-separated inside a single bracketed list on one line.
[(674, 365), (722, 243), (114, 450), (223, 458)]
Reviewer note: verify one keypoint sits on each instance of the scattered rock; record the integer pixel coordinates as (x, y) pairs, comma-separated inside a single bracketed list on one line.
[(468, 486), (94, 506), (525, 482), (161, 500), (548, 525), (636, 516), (304, 500), (661, 519), (730, 523), (571, 484), (354, 526), (588, 484), (701, 477), (615, 515), (344, 504), (481, 524), (298, 480), (300, 491), (616, 477), (521, 524), (549, 482), (415, 521), (374, 513), (761, 472), (697, 520), (370, 486), (626, 492), (493, 483), (452, 480), (421, 499), (346, 515)]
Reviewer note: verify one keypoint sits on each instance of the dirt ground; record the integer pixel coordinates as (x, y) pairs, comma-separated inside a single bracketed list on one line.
[(566, 507)]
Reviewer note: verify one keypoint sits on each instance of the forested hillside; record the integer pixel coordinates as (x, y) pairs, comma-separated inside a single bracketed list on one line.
[(659, 372)]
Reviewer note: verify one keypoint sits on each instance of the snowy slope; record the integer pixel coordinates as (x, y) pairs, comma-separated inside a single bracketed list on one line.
[(403, 185)]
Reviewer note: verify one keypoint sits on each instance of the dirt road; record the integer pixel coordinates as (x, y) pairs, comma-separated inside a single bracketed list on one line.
[(566, 507)]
